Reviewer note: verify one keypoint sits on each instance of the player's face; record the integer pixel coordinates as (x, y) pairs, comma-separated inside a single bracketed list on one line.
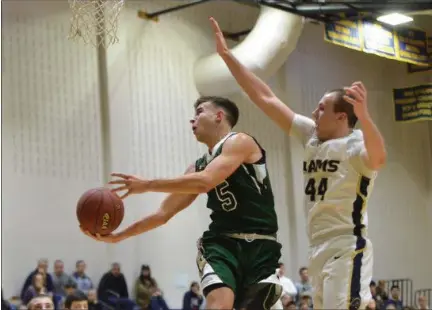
[(327, 121), (205, 120)]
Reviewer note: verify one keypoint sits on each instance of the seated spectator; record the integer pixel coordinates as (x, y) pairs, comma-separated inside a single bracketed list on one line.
[(192, 299), (290, 306), (76, 301), (70, 289), (60, 278), (93, 303), (306, 300), (41, 268), (84, 283), (36, 288), (395, 298), (381, 290), (372, 305), (145, 286), (158, 302), (304, 285), (379, 302), (422, 303), (112, 282), (288, 286), (41, 302)]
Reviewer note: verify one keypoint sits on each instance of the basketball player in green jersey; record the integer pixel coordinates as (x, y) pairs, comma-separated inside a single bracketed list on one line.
[(239, 254)]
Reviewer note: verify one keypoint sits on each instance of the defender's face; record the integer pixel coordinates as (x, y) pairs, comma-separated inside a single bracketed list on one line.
[(327, 121), (205, 120)]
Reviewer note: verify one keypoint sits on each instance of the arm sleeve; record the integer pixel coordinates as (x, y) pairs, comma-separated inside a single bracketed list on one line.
[(303, 128)]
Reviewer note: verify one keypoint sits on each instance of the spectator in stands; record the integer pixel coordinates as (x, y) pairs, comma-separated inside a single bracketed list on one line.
[(306, 300), (390, 307), (41, 302), (84, 283), (290, 306), (288, 286), (42, 268), (381, 290), (395, 298), (304, 285), (372, 305), (158, 302), (76, 301), (379, 303), (145, 286), (113, 282), (422, 303), (192, 299), (36, 288), (60, 278), (93, 303)]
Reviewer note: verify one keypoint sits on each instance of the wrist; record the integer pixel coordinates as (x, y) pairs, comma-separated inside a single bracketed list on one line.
[(365, 118)]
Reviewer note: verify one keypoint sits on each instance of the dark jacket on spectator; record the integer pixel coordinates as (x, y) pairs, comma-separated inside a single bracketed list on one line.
[(113, 283), (158, 303), (48, 283), (192, 301)]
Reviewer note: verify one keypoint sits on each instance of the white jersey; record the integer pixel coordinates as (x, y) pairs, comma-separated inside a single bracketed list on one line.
[(337, 183)]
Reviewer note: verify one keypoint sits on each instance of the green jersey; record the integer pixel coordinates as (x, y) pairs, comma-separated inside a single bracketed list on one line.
[(244, 202)]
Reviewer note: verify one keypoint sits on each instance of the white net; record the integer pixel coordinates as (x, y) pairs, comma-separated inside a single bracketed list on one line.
[(95, 21)]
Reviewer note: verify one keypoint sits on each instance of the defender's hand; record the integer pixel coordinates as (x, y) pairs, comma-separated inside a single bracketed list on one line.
[(129, 183), (221, 45), (356, 94)]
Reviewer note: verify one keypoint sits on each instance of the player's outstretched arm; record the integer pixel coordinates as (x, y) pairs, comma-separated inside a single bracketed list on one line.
[(258, 91), (375, 155), (237, 149), (171, 205)]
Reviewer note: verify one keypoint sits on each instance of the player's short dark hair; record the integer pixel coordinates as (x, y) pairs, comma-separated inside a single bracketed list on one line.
[(231, 110), (341, 106), (77, 296)]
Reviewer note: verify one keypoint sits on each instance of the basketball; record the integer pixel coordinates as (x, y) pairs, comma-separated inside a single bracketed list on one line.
[(100, 211)]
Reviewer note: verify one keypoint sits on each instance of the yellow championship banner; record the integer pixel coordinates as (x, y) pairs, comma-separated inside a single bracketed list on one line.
[(413, 68), (413, 104), (402, 44)]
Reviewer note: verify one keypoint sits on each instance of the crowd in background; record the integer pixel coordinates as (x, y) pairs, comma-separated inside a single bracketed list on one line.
[(60, 290)]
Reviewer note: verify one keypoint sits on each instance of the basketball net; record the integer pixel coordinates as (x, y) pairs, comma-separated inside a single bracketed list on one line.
[(95, 21)]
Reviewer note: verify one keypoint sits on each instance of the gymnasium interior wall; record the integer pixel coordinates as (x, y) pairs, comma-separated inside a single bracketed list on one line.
[(52, 143)]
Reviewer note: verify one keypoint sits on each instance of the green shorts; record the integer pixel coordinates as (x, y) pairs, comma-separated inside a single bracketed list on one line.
[(244, 266)]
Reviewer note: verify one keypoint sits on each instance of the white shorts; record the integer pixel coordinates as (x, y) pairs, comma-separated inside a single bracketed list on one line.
[(341, 271)]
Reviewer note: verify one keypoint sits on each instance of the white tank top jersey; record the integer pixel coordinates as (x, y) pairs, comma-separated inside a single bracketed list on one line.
[(337, 183)]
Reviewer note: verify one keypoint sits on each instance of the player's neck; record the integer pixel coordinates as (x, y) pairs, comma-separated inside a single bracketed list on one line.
[(343, 132), (216, 137)]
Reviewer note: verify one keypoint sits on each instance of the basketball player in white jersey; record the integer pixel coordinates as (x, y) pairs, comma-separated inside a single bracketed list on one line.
[(339, 167)]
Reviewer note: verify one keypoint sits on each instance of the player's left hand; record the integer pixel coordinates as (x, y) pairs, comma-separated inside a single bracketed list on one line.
[(129, 183), (111, 238), (356, 94)]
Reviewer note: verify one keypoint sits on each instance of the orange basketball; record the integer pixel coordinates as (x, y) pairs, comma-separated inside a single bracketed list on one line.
[(100, 211)]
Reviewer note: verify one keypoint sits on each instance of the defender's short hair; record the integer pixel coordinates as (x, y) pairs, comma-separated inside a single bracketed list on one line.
[(341, 106), (231, 110)]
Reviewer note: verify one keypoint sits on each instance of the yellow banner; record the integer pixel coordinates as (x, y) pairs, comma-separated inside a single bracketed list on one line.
[(414, 68), (413, 104), (402, 44)]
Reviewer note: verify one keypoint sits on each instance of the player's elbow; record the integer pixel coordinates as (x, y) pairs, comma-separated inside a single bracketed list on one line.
[(380, 160)]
